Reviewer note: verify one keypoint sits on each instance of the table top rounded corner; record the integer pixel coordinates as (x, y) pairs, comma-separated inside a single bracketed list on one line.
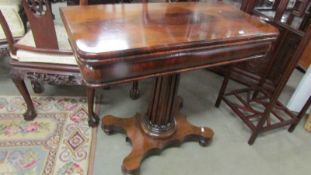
[(126, 29)]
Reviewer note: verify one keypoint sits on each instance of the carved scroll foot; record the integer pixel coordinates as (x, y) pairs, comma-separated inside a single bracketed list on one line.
[(93, 120), (144, 144), (29, 115)]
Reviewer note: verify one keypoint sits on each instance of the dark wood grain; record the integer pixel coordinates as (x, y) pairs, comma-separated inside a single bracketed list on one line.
[(180, 25), (280, 64), (120, 43), (187, 33), (41, 23), (162, 126), (291, 33), (305, 60), (144, 146), (40, 18)]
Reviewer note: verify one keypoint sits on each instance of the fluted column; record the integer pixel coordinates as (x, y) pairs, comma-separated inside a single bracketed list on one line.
[(159, 120)]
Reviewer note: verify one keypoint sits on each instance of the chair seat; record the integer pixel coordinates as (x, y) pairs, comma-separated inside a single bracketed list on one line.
[(30, 55), (61, 34), (37, 57), (10, 12), (15, 4)]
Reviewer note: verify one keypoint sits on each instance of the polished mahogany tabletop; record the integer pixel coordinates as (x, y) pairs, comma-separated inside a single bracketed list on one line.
[(126, 29), (140, 40), (125, 42)]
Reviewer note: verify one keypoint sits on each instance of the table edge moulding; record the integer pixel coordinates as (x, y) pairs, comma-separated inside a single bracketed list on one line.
[(163, 125)]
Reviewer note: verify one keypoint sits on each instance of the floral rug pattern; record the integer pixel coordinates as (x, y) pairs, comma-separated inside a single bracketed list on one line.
[(58, 141)]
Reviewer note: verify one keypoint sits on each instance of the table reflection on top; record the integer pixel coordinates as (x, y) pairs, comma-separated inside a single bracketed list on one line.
[(127, 27)]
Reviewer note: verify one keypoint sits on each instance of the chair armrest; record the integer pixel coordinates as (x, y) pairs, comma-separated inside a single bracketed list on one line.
[(8, 33)]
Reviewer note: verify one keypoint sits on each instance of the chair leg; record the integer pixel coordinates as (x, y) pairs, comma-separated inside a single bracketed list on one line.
[(222, 92), (134, 91), (259, 127), (223, 86), (37, 87), (265, 116), (30, 113), (300, 115), (93, 118), (260, 124)]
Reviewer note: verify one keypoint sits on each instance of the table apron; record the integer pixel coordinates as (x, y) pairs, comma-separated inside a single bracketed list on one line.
[(171, 62)]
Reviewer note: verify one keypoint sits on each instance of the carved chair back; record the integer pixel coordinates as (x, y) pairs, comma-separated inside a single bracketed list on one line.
[(40, 18), (41, 22)]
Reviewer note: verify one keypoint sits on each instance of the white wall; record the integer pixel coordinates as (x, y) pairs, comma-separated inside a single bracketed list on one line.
[(302, 93)]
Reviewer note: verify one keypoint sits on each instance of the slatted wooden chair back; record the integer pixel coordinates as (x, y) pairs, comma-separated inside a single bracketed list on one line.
[(299, 8)]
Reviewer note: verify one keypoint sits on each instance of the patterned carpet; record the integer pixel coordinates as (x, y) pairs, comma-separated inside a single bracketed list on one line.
[(58, 141)]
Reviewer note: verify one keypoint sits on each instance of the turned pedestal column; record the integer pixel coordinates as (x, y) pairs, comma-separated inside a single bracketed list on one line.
[(162, 125)]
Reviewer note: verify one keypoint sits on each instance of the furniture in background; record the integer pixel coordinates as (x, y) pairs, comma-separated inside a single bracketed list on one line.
[(36, 56), (160, 41), (14, 14), (291, 19), (42, 55), (305, 60), (258, 105)]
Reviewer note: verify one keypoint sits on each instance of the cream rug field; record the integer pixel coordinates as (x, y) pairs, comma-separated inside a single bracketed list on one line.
[(58, 141)]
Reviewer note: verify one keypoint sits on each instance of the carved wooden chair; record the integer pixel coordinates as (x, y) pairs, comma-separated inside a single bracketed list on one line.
[(43, 55), (258, 105), (36, 55), (13, 13)]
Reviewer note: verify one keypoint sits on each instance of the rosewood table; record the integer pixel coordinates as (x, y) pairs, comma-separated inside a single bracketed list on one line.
[(121, 43)]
